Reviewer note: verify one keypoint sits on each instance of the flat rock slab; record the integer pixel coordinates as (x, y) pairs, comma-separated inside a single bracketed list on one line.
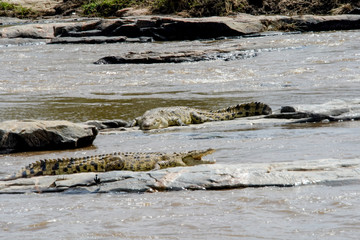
[(30, 135), (35, 31), (98, 40), (151, 57), (88, 40), (202, 177)]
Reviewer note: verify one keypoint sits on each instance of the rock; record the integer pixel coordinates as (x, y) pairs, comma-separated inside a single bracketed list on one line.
[(87, 40), (287, 109), (171, 29), (100, 125), (30, 135), (321, 115), (36, 31), (311, 23), (328, 23), (201, 177), (79, 28), (151, 57)]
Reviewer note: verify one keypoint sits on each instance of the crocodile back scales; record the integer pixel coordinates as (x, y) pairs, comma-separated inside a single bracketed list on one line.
[(131, 161), (177, 116)]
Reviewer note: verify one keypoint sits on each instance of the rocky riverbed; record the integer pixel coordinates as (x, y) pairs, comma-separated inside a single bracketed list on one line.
[(159, 28), (314, 72)]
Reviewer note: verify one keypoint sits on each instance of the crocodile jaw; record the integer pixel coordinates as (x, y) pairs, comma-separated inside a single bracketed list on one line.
[(195, 157)]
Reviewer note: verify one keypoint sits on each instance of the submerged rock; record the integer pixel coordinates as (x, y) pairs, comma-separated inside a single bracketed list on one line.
[(332, 115), (101, 125), (30, 135), (201, 177), (151, 57)]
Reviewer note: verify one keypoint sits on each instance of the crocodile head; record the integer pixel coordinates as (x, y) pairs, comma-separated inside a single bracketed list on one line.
[(195, 157), (149, 122)]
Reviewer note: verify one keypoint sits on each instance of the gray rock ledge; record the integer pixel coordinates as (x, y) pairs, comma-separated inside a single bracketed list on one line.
[(108, 124), (30, 135), (202, 177)]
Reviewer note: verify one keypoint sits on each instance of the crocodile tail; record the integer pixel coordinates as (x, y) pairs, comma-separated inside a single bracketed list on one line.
[(23, 173), (37, 168), (246, 110), (60, 166)]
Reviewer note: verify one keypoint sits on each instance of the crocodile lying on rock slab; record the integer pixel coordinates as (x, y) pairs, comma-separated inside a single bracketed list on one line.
[(131, 161), (179, 116)]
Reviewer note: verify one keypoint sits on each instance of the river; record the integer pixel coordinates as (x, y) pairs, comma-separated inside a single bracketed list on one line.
[(313, 71)]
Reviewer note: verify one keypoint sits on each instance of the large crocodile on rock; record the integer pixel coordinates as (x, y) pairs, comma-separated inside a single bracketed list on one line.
[(131, 161), (179, 116)]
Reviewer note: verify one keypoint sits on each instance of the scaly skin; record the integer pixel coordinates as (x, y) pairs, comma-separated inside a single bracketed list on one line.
[(131, 161), (179, 116)]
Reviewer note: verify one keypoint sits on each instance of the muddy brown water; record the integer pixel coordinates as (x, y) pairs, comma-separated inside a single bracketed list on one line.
[(313, 71)]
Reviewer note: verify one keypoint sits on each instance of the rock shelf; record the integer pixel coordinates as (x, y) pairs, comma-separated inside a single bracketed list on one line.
[(203, 177)]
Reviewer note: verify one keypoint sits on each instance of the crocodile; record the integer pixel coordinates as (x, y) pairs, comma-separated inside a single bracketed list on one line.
[(131, 161), (179, 116)]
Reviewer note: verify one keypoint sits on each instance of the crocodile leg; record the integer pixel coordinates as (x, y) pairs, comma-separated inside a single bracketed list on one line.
[(199, 118)]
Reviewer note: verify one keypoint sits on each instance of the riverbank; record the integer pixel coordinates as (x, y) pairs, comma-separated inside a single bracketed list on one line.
[(162, 28), (183, 8)]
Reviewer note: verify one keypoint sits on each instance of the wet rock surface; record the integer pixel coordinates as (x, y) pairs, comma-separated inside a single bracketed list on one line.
[(178, 57), (30, 135), (333, 115), (312, 23), (202, 177), (106, 124)]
